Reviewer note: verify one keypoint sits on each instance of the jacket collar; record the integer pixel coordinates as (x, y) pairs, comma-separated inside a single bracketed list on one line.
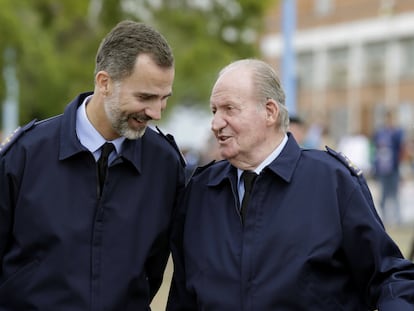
[(70, 145), (283, 166)]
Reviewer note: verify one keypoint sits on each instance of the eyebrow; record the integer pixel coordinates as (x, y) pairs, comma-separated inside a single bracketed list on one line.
[(168, 95), (150, 95)]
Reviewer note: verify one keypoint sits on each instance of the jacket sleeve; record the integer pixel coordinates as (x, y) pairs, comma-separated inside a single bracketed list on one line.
[(180, 298), (381, 273), (395, 304), (156, 263), (8, 184), (5, 209)]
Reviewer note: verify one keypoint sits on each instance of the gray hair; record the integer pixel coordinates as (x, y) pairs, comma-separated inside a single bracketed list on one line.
[(266, 84), (118, 51)]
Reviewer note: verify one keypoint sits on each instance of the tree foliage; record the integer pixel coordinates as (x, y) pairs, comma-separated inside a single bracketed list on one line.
[(53, 53), (55, 44)]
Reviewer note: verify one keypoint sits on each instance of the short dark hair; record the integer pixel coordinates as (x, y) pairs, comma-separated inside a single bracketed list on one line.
[(118, 51)]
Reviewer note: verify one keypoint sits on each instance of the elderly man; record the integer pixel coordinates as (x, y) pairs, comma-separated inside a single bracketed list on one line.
[(276, 227)]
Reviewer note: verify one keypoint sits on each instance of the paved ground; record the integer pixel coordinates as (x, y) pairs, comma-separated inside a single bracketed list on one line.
[(402, 234), (158, 304)]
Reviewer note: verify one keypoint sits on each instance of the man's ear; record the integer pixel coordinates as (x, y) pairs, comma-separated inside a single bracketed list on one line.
[(103, 82), (272, 111)]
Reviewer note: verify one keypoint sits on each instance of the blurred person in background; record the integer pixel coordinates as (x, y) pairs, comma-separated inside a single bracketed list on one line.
[(388, 143), (277, 227), (86, 197), (298, 129), (192, 159)]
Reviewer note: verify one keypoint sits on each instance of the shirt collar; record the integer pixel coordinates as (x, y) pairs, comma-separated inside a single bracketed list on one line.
[(275, 153), (88, 135)]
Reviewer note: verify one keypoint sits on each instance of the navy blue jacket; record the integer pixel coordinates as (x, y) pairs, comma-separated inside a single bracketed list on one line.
[(312, 240), (64, 248)]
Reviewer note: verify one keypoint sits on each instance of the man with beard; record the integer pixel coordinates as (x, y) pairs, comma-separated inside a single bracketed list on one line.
[(77, 233)]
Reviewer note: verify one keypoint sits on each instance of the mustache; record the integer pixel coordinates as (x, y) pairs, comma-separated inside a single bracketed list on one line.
[(140, 117)]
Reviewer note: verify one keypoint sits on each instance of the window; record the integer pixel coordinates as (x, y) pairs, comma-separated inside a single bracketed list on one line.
[(407, 57), (374, 56), (304, 70), (323, 7), (338, 67)]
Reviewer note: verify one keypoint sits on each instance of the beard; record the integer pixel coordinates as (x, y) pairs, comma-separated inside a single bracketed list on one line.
[(119, 119)]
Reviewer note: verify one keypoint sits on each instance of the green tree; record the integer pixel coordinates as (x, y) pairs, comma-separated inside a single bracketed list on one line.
[(56, 41), (52, 45), (205, 37)]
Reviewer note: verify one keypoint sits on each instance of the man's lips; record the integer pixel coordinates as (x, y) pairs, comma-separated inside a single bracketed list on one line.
[(223, 138), (137, 122), (140, 118)]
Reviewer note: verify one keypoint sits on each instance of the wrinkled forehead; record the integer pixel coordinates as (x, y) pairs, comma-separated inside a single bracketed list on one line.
[(234, 82)]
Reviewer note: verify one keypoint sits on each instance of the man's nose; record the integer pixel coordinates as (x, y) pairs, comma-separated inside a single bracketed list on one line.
[(217, 122), (155, 110)]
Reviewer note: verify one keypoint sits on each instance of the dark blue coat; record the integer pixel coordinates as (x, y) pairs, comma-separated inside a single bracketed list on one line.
[(63, 248), (312, 240)]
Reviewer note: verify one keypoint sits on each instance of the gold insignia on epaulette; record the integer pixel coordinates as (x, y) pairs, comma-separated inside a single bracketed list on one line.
[(8, 138), (350, 164)]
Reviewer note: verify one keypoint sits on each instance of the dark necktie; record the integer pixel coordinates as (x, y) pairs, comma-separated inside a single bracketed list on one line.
[(248, 177), (106, 149)]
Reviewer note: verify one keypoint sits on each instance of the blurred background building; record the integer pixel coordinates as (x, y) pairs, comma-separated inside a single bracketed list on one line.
[(354, 60)]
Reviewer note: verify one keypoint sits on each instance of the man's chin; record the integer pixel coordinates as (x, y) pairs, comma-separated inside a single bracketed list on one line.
[(134, 134), (226, 154)]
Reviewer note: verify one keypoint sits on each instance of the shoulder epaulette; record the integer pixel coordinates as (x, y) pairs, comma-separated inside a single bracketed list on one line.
[(172, 142), (48, 119), (12, 138), (345, 160)]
